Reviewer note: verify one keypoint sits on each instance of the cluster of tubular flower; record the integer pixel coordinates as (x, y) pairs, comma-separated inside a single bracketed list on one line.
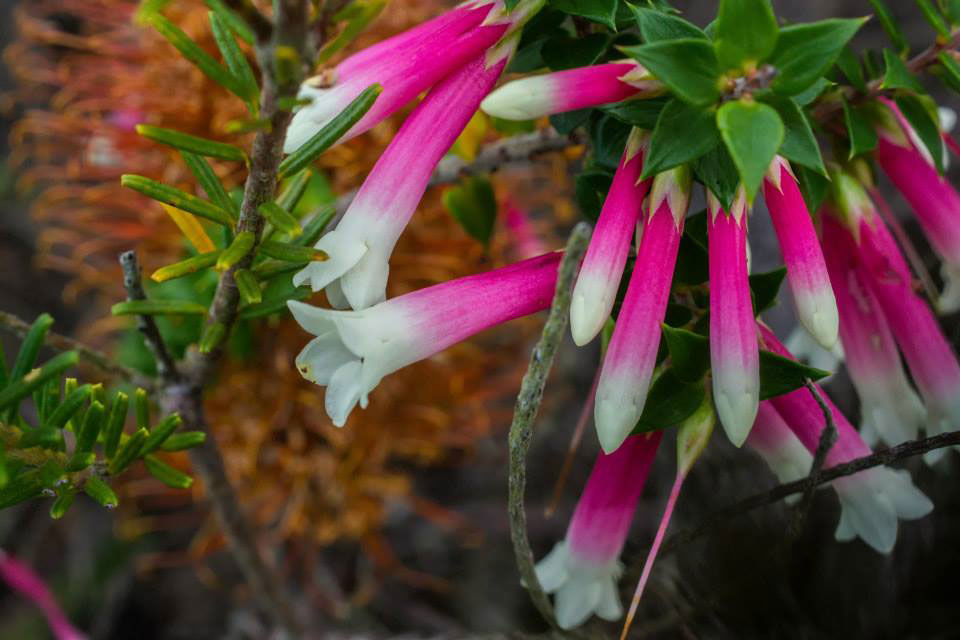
[(857, 287)]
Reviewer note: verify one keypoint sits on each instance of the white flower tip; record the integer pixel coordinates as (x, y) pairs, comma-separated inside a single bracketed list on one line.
[(366, 283), (587, 317), (524, 99), (949, 301), (615, 419), (737, 411), (822, 320), (873, 501), (579, 592)]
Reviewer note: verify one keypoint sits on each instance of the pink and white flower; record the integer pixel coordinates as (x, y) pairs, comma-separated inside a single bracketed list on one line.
[(632, 353), (543, 95), (734, 356), (582, 570), (596, 289), (806, 272), (405, 66), (873, 500), (783, 452), (354, 350), (892, 411), (907, 161)]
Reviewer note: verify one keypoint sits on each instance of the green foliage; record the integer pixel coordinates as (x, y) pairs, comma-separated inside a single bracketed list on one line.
[(683, 133), (688, 66), (752, 132), (191, 143), (602, 11), (177, 198), (473, 204), (35, 456), (805, 52), (745, 33), (779, 375)]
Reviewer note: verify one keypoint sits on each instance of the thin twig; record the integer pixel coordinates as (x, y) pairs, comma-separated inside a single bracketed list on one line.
[(147, 325), (525, 412), (828, 437), (58, 342), (885, 457)]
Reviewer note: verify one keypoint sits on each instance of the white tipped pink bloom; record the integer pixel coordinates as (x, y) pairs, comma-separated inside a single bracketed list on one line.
[(550, 93), (632, 353), (582, 570), (405, 66), (892, 411), (734, 355), (783, 452), (872, 500), (806, 272), (361, 245), (602, 268), (937, 204), (354, 350)]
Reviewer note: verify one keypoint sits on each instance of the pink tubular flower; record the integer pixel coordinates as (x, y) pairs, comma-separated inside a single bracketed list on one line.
[(583, 569), (599, 278), (806, 273), (891, 409), (873, 499), (22, 579), (907, 162), (631, 356), (783, 452), (550, 93), (354, 350), (360, 246), (405, 66), (734, 357)]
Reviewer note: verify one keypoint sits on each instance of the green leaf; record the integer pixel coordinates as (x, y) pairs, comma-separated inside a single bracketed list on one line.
[(294, 189), (238, 250), (166, 474), (30, 347), (192, 52), (281, 219), (62, 503), (934, 18), (157, 307), (764, 289), (670, 401), (115, 421), (608, 137), (799, 144), (473, 204), (689, 353), (746, 33), (184, 440), (213, 335), (897, 76), (688, 67), (128, 452), (20, 488), (248, 286), (70, 405), (358, 15), (291, 252), (567, 52), (590, 190), (18, 389), (923, 122), (92, 424), (684, 132), (804, 52), (316, 226), (849, 64), (176, 198), (274, 303), (637, 113), (813, 185), (779, 375), (159, 434), (191, 143), (330, 133), (185, 267), (141, 408), (235, 22), (602, 11), (889, 24), (100, 491), (717, 172), (210, 183), (658, 25), (862, 136), (949, 70), (753, 133)]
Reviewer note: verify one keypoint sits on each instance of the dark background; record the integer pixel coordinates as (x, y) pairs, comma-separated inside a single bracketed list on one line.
[(747, 579)]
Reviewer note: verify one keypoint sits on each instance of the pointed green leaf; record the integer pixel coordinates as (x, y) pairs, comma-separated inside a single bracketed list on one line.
[(294, 189), (602, 11), (746, 33), (934, 18), (213, 335), (799, 144), (210, 183), (862, 136), (281, 219), (248, 286), (670, 401), (115, 422), (62, 503), (717, 172), (688, 67), (185, 267), (813, 185), (100, 491), (764, 289), (141, 408), (890, 26), (897, 76), (753, 133), (779, 375), (191, 143), (316, 225), (177, 198), (160, 433), (923, 122), (128, 452), (683, 133), (658, 25), (804, 52), (238, 250), (291, 252), (70, 405), (473, 204), (166, 474), (689, 353), (157, 307), (92, 424), (235, 59), (30, 347), (184, 440), (19, 389)]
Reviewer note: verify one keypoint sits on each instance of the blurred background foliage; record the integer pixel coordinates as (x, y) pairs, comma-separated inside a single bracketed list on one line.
[(396, 523)]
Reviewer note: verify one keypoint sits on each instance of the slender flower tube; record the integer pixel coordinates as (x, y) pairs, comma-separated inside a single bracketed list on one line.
[(405, 66), (354, 350), (22, 579), (582, 570), (806, 273), (360, 246), (632, 353), (783, 452), (932, 363), (891, 409), (873, 499), (599, 278), (734, 356), (550, 93), (937, 204)]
